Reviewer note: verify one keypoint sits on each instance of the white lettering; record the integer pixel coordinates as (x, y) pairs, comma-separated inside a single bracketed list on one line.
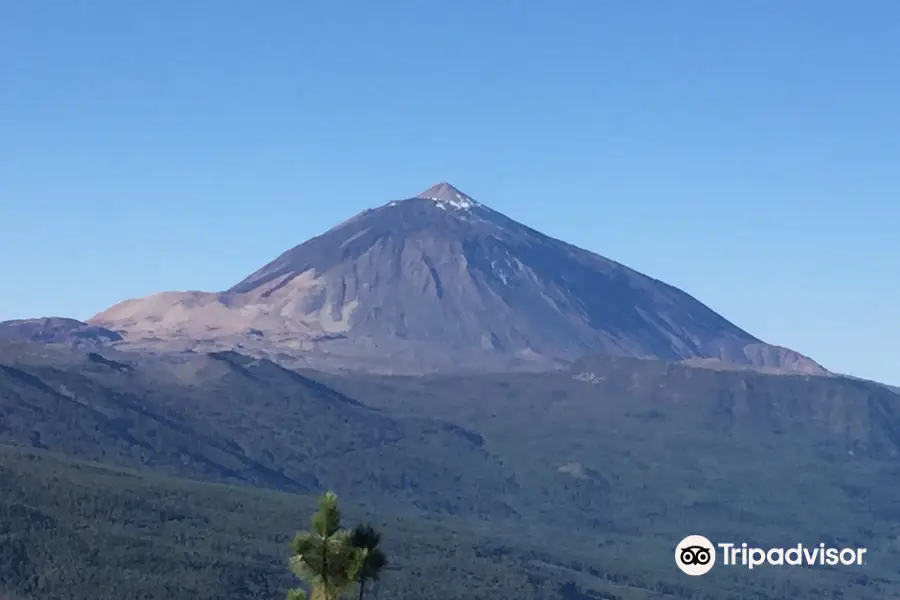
[(795, 552), (757, 557), (733, 554), (727, 554)]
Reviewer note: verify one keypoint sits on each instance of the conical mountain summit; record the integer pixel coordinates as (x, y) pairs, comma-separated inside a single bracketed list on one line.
[(440, 282), (444, 192)]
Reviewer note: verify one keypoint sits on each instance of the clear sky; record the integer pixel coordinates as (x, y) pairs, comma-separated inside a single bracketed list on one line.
[(747, 152)]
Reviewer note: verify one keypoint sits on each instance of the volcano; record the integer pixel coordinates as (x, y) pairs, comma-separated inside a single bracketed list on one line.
[(440, 282)]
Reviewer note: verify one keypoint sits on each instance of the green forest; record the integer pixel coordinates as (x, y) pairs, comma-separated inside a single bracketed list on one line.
[(81, 531), (190, 480)]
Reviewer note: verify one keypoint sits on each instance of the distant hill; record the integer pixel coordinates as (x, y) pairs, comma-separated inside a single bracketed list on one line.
[(438, 283), (651, 447), (55, 330), (228, 417), (893, 388), (571, 484)]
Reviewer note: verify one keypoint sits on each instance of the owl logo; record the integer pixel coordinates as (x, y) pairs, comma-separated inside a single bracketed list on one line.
[(695, 555)]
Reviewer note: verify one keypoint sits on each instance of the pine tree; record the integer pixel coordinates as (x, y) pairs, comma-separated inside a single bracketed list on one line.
[(366, 538), (323, 556)]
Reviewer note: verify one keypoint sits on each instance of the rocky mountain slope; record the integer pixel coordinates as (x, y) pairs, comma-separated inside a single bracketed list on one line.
[(441, 282)]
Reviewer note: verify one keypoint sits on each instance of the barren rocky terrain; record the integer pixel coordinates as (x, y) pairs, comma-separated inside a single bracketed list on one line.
[(442, 282)]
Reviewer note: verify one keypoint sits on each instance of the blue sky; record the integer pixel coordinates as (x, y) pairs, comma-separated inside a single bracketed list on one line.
[(747, 152)]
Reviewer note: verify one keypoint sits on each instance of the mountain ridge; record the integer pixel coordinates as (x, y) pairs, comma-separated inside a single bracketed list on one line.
[(634, 449), (437, 282), (231, 418), (55, 330)]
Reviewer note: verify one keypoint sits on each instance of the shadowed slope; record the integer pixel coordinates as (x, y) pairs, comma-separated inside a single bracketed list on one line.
[(228, 417)]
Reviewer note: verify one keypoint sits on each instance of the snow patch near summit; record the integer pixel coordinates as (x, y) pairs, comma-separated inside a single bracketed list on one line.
[(446, 195)]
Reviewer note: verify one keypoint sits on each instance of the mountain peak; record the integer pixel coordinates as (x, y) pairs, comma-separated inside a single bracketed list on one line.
[(447, 194), (409, 289)]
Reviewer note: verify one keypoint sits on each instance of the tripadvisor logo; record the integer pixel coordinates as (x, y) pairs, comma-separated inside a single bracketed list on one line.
[(696, 555)]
